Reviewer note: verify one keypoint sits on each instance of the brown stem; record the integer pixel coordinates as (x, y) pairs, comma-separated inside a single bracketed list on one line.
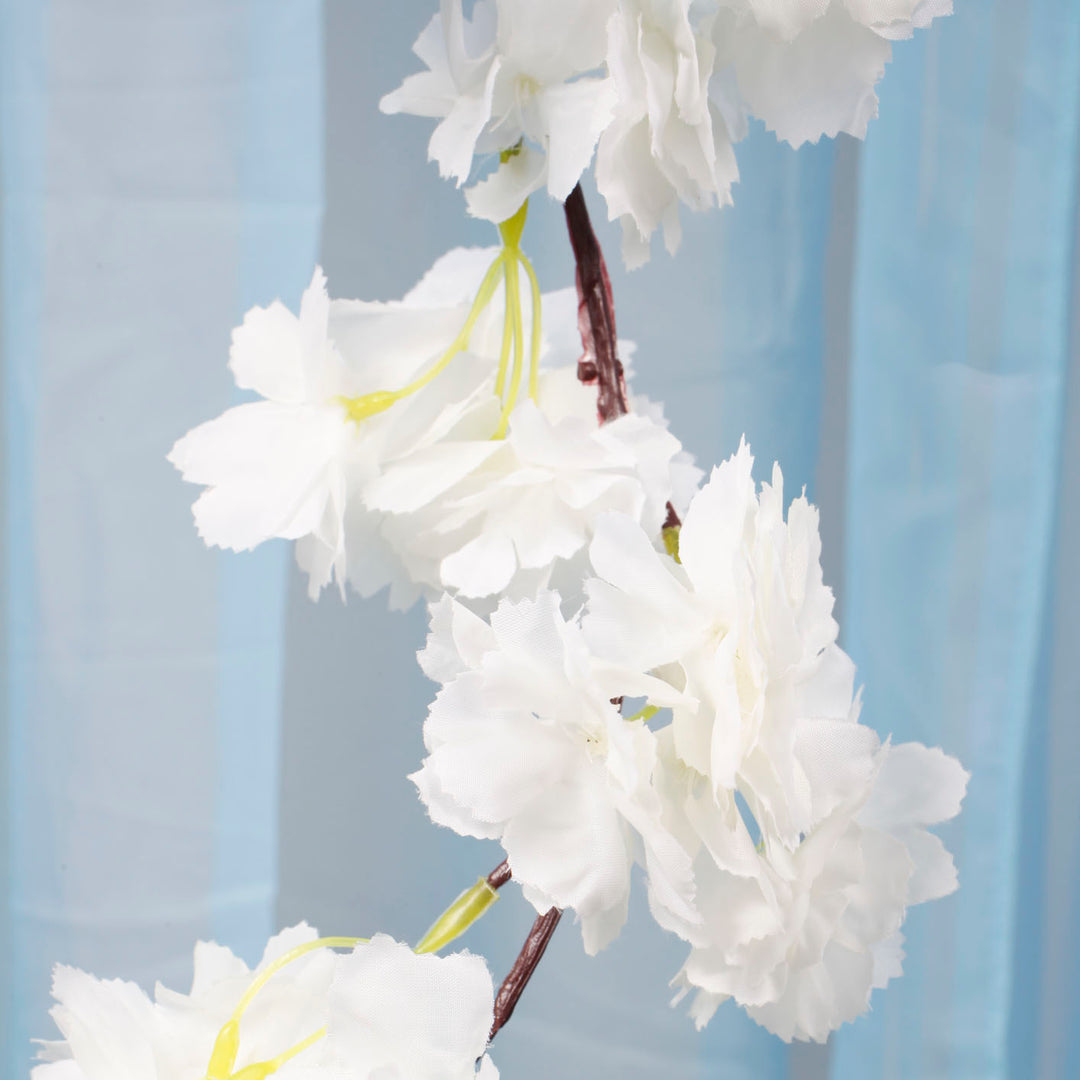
[(599, 362), (524, 966), (500, 875)]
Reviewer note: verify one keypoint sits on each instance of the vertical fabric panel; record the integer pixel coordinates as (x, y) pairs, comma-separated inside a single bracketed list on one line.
[(959, 354), (162, 171)]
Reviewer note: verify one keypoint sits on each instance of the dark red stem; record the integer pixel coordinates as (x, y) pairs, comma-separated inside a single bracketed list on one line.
[(500, 875), (524, 966), (599, 362)]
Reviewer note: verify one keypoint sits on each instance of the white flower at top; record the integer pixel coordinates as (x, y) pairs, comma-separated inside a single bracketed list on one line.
[(525, 746), (808, 68), (516, 70), (668, 141), (663, 86), (382, 1012)]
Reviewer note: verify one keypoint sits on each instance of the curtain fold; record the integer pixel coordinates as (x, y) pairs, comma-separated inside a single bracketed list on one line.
[(162, 171), (961, 340)]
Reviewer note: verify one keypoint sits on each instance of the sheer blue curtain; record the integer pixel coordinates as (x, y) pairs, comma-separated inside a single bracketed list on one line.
[(161, 171), (894, 321)]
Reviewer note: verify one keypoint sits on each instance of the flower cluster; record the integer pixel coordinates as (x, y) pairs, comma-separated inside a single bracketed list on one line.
[(381, 1012), (389, 444), (659, 90), (780, 838)]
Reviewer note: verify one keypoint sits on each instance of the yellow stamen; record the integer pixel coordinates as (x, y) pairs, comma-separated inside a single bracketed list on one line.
[(263, 1069), (645, 714), (227, 1043), (534, 358), (512, 291), (459, 916), (507, 342), (360, 408)]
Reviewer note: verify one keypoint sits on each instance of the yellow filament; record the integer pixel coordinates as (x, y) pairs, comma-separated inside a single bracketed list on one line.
[(507, 342), (263, 1069), (512, 289), (360, 408), (458, 917), (227, 1044), (534, 357), (645, 714)]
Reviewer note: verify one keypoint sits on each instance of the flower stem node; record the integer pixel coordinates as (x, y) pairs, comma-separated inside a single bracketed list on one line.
[(459, 916)]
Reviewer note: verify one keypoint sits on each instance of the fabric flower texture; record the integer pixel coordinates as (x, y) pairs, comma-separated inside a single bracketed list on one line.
[(525, 746), (379, 1013), (390, 444), (659, 89), (808, 837)]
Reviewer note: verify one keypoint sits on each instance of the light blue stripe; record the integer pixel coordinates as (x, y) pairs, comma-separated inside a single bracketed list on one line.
[(281, 197), (959, 351), (22, 126)]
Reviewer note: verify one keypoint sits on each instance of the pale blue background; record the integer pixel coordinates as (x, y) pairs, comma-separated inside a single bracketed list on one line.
[(190, 747)]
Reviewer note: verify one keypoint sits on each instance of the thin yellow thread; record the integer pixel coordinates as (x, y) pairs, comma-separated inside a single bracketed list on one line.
[(507, 342), (534, 357), (360, 408), (513, 288), (263, 1069)]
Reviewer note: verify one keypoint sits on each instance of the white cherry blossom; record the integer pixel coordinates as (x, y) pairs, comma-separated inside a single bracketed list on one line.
[(525, 746), (808, 68), (527, 506), (517, 70), (667, 142), (287, 466), (743, 625), (800, 937), (398, 1015), (112, 1030)]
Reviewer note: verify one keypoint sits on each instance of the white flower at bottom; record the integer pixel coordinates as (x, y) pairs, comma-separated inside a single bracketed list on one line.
[(397, 1015), (525, 746), (114, 1031)]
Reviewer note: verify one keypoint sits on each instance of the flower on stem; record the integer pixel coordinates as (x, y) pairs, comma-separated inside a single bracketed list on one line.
[(660, 89), (112, 1030), (382, 1012), (742, 624), (516, 71), (808, 68), (801, 936), (525, 746)]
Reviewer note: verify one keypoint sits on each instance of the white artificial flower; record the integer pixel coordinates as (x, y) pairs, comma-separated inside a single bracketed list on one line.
[(667, 141), (743, 625), (287, 466), (398, 1015), (517, 70), (525, 746), (527, 508), (808, 68), (114, 1031), (802, 938)]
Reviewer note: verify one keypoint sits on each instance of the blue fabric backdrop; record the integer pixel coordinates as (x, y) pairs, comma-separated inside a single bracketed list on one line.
[(894, 321), (161, 172)]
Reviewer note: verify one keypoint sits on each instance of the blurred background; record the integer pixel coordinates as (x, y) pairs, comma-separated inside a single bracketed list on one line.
[(190, 748)]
